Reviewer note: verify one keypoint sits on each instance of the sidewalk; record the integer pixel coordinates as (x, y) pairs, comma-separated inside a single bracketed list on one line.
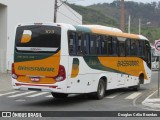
[(5, 82), (152, 101)]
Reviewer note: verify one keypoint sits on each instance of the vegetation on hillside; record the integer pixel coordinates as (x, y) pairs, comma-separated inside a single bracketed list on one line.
[(108, 14)]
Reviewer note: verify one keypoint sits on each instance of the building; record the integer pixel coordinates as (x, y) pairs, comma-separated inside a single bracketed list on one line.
[(13, 12)]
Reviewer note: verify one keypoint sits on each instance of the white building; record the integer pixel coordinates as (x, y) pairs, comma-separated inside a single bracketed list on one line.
[(13, 12)]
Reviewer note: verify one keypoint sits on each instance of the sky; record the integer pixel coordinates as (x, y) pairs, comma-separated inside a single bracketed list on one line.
[(90, 2)]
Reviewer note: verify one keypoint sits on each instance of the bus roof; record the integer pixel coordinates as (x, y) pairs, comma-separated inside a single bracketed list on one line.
[(97, 29), (112, 31)]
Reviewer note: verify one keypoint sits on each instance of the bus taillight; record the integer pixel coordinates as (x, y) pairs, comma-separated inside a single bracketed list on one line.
[(61, 74), (14, 76)]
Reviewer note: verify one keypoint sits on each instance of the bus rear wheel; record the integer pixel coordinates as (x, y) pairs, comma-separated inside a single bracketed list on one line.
[(59, 95)]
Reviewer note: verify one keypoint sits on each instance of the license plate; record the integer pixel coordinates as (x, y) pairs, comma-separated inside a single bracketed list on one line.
[(35, 79)]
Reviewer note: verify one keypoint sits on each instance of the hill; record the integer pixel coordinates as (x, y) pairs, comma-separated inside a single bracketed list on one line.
[(108, 14)]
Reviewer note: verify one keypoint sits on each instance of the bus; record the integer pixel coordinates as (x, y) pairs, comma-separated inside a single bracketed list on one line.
[(68, 59), (155, 59)]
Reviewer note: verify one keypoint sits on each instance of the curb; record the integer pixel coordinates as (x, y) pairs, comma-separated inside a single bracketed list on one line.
[(152, 102)]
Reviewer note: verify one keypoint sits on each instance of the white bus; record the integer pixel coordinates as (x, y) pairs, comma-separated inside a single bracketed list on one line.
[(73, 59)]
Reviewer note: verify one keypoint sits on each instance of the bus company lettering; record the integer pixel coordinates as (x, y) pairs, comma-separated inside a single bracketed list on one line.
[(127, 63), (36, 69)]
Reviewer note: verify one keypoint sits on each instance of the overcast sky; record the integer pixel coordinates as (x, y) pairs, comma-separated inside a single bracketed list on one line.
[(90, 2)]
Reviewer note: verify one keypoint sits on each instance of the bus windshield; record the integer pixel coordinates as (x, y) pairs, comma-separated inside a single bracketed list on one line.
[(38, 38)]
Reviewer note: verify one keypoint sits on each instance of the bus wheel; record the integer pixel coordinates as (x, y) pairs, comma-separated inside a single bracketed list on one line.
[(100, 93), (141, 80), (59, 95)]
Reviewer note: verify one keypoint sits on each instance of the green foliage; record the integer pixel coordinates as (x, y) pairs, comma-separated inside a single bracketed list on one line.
[(108, 14), (91, 16)]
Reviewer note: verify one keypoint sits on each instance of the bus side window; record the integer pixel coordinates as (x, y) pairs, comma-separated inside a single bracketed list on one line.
[(128, 47), (92, 45), (141, 49), (133, 47), (98, 44), (137, 47), (121, 48), (72, 43), (86, 44), (109, 45), (104, 45), (79, 44), (114, 46)]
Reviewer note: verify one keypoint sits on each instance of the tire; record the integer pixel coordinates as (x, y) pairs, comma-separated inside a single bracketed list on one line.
[(59, 95), (141, 80), (100, 93)]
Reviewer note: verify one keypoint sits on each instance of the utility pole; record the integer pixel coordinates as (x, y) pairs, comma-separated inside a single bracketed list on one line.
[(122, 23), (55, 11)]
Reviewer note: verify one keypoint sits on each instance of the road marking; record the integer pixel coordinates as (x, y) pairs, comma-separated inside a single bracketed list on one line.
[(26, 93), (134, 95), (38, 94), (49, 96), (8, 93), (114, 95)]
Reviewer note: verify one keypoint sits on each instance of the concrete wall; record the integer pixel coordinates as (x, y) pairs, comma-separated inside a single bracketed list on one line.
[(30, 11), (3, 37)]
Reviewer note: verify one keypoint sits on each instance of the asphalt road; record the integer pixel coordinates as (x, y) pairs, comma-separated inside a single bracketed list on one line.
[(115, 100)]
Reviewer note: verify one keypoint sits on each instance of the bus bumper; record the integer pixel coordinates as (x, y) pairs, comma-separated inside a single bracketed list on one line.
[(59, 87)]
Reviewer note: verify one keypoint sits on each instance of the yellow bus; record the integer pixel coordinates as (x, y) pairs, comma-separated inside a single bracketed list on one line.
[(73, 59)]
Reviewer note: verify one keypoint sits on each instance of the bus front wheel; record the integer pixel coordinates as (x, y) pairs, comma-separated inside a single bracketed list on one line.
[(59, 95), (141, 81)]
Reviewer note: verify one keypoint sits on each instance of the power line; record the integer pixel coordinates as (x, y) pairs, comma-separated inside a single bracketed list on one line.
[(62, 3), (68, 17), (72, 12)]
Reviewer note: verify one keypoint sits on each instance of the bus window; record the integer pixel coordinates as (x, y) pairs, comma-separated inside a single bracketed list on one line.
[(86, 44), (79, 44), (133, 47), (92, 45), (104, 45), (98, 45), (72, 43), (114, 47), (148, 53), (141, 49), (109, 45), (137, 47), (38, 39), (121, 47), (128, 47)]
